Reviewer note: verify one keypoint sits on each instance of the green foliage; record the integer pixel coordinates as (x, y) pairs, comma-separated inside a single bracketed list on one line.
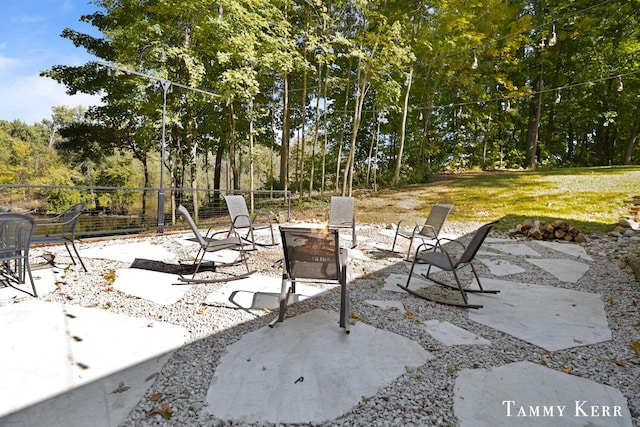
[(356, 57)]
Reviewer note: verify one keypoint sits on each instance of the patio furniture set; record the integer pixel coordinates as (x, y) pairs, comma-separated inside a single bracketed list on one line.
[(311, 253)]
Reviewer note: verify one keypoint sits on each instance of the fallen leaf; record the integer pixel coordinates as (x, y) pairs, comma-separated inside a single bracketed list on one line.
[(202, 309), (619, 362), (635, 346), (353, 315), (566, 370), (578, 341), (155, 397), (164, 411), (121, 388)]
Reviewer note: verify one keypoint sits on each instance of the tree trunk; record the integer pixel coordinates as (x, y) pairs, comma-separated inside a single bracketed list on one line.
[(403, 127), (635, 130), (232, 148), (315, 132), (303, 119), (534, 121), (284, 148), (326, 135)]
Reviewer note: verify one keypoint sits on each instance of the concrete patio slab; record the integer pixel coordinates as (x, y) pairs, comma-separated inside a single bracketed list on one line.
[(128, 252), (44, 279), (572, 249), (565, 270), (501, 267), (518, 249), (70, 346), (307, 370), (155, 286), (549, 317), (258, 292), (450, 334), (526, 394)]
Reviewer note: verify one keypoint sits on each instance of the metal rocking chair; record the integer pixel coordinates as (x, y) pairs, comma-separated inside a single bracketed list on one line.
[(437, 256), (427, 231), (341, 215), (313, 255), (240, 221), (211, 244)]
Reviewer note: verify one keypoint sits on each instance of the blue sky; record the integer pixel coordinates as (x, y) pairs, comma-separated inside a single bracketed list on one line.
[(30, 42)]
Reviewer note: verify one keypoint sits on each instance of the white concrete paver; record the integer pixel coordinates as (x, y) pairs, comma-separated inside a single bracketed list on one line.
[(549, 317), (55, 348), (498, 397), (450, 334), (307, 370)]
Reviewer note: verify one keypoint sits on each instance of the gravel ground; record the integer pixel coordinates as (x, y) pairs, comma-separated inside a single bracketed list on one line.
[(422, 397)]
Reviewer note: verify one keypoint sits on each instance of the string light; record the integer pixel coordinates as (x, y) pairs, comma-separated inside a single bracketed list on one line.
[(620, 85), (558, 96), (553, 39), (475, 60)]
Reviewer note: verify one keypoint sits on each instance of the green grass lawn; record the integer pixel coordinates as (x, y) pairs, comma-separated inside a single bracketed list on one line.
[(592, 199)]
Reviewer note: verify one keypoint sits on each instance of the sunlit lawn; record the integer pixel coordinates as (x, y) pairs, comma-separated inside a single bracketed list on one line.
[(592, 199)]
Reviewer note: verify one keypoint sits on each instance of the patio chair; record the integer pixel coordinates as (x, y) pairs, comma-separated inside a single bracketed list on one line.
[(242, 222), (313, 255), (15, 236), (212, 244), (61, 229), (437, 256), (427, 231), (341, 215)]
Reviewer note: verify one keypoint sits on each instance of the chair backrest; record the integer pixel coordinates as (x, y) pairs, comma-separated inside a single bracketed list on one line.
[(69, 218), (238, 211), (341, 211), (311, 253), (437, 216), (187, 217), (475, 243), (15, 232)]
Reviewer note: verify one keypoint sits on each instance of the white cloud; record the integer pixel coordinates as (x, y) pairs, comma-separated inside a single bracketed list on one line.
[(30, 98)]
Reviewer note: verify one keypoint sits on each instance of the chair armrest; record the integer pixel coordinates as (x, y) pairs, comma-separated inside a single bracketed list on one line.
[(436, 247), (266, 216), (233, 223)]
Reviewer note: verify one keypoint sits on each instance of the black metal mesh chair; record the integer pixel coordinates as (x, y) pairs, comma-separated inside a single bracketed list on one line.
[(15, 237), (61, 229), (313, 255)]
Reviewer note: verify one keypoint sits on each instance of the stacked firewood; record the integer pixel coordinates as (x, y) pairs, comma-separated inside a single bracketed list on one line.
[(634, 208), (557, 230)]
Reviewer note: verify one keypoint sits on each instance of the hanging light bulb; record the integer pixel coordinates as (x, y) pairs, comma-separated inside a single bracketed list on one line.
[(475, 61), (620, 85), (553, 39), (421, 116), (558, 97)]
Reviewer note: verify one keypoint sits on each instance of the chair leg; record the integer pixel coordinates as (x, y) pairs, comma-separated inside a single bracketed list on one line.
[(393, 246), (285, 292), (66, 245), (33, 285), (344, 300), (78, 255)]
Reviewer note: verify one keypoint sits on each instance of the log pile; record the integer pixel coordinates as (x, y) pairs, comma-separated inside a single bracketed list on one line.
[(557, 230), (634, 208)]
